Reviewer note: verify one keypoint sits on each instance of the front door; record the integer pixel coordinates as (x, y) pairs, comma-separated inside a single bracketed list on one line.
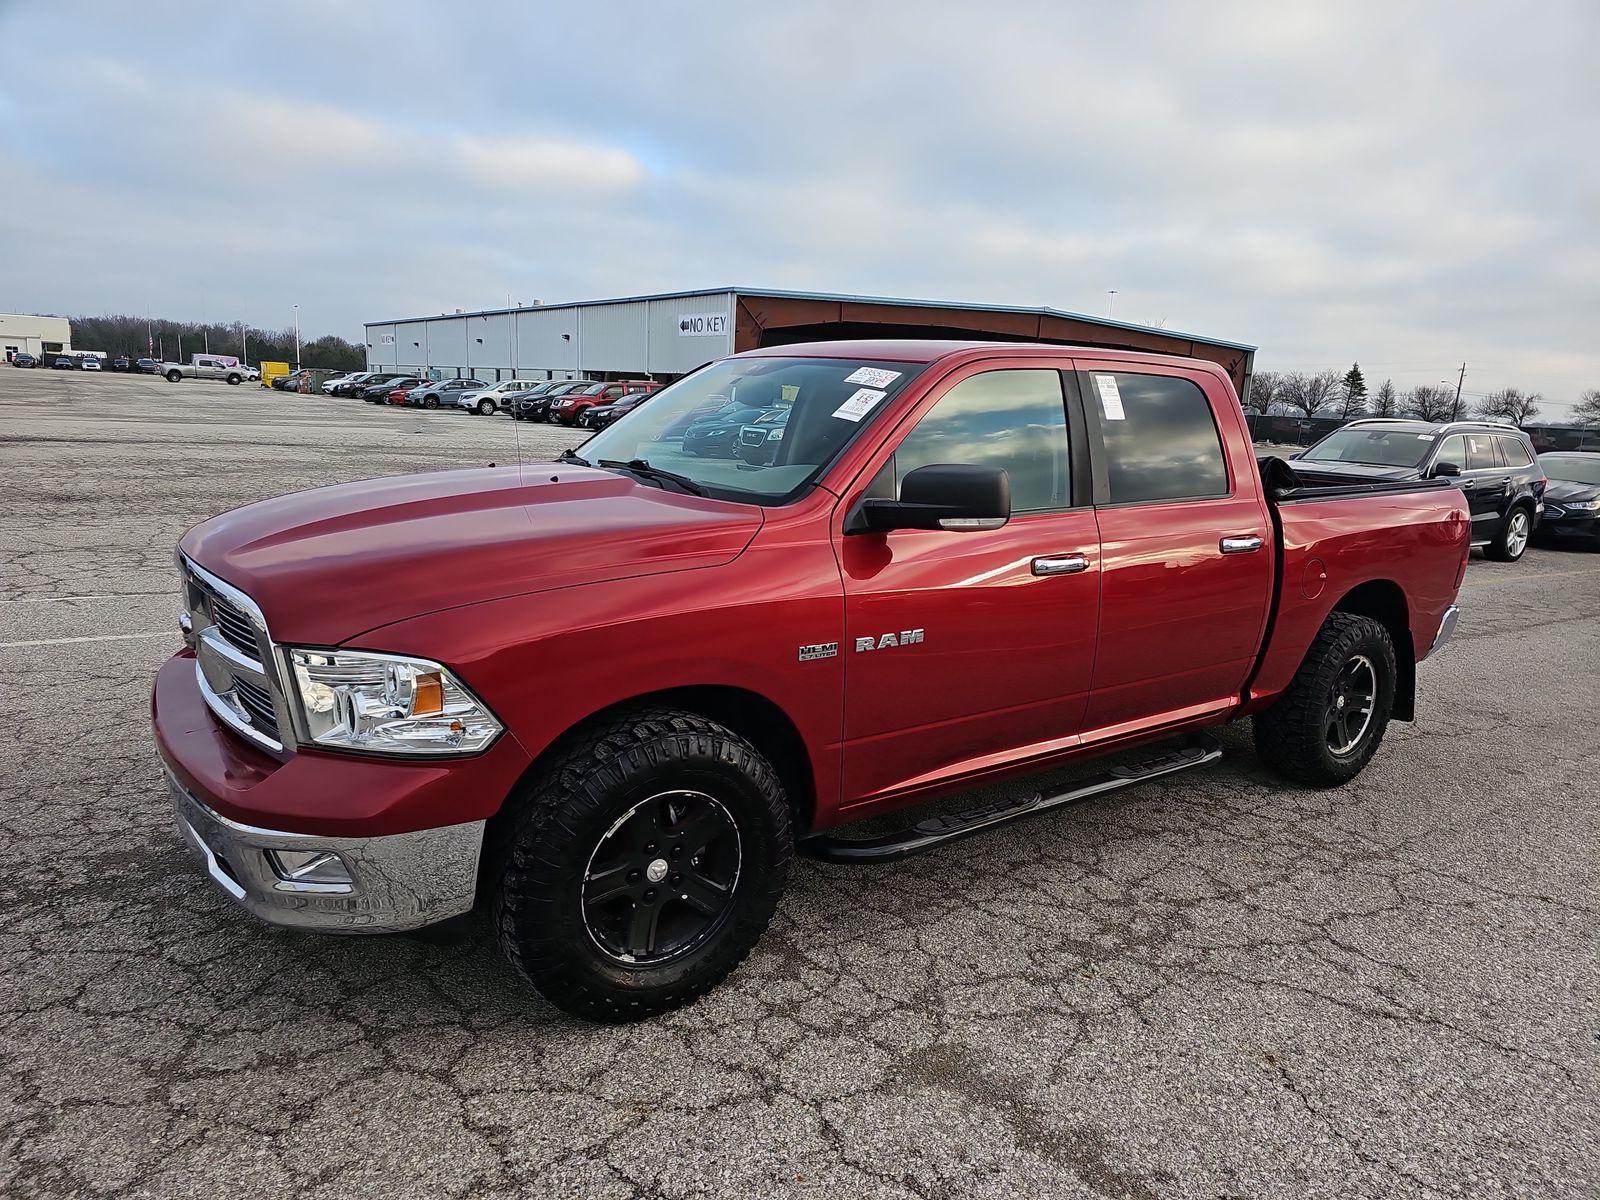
[(1485, 483), (967, 649)]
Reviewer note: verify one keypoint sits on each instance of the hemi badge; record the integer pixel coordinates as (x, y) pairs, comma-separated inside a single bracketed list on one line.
[(819, 650)]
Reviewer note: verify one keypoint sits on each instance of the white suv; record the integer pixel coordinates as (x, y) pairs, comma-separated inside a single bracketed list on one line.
[(487, 400)]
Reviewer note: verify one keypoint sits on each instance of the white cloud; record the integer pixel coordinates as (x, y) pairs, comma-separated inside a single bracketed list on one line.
[(1405, 184)]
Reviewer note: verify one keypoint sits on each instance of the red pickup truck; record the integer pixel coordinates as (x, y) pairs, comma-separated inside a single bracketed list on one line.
[(611, 696)]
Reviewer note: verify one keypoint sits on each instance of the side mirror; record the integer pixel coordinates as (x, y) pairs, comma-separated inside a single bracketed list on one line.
[(940, 496), (1446, 470)]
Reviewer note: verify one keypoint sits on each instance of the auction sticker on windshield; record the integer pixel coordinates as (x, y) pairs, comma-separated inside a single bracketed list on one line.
[(873, 377), (859, 405)]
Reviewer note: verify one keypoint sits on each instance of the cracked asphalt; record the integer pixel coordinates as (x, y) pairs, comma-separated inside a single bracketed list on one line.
[(1209, 986)]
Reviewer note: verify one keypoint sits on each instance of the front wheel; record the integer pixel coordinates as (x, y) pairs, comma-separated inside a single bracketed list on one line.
[(1330, 720), (1512, 540), (430, 402), (485, 407), (235, 380), (641, 866)]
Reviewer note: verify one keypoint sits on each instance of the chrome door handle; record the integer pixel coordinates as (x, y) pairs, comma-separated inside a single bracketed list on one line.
[(1065, 564), (1240, 545)]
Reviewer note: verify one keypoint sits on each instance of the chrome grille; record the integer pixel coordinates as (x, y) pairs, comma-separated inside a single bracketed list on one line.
[(257, 702), (752, 437), (234, 660), (235, 626)]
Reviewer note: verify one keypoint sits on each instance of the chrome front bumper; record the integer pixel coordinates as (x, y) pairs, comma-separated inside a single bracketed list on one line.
[(398, 882), (1447, 627)]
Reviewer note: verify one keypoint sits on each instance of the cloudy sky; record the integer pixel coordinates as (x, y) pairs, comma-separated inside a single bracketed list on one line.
[(1408, 185)]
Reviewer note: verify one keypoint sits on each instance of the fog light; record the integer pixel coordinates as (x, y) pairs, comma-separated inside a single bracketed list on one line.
[(309, 866)]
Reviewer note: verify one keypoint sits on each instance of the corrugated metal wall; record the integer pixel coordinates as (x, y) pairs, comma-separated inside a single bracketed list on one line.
[(655, 337)]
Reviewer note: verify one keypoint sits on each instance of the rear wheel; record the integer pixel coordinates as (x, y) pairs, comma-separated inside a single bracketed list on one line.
[(641, 866), (174, 376), (1330, 720), (1512, 540)]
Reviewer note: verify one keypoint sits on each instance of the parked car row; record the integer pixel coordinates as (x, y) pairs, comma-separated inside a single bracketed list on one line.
[(1514, 494), (573, 402)]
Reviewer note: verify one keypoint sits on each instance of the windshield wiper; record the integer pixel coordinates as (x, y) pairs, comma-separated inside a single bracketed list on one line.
[(569, 456), (644, 470)]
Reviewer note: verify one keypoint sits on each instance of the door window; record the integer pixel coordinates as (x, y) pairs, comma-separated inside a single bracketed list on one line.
[(1480, 452), (1016, 420), (1454, 450), (1160, 438)]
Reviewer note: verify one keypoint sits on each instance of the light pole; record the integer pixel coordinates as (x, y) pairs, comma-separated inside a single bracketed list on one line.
[(244, 346), (1112, 292), (296, 337)]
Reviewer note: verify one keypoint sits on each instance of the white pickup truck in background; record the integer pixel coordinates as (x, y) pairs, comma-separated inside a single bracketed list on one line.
[(210, 366)]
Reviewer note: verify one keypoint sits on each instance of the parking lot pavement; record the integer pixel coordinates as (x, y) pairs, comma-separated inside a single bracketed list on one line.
[(1208, 986)]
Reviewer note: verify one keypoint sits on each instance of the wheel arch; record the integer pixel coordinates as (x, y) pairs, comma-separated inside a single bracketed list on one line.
[(1384, 601), (754, 717)]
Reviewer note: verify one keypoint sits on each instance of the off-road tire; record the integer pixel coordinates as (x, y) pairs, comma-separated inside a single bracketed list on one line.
[(538, 855), (1504, 548), (1291, 737)]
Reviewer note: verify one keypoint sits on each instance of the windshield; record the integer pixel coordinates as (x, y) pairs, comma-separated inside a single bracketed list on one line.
[(1372, 447), (1572, 468), (822, 403)]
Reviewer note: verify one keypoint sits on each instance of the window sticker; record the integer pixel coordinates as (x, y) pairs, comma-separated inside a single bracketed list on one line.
[(859, 405), (873, 377), (1110, 398), (1424, 437)]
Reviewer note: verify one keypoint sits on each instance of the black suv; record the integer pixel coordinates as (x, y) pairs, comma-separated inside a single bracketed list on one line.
[(1493, 464)]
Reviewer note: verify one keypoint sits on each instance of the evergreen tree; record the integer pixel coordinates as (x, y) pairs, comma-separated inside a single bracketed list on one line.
[(1355, 392)]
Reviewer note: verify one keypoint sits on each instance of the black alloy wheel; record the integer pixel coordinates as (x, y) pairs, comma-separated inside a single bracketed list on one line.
[(1351, 704), (661, 881)]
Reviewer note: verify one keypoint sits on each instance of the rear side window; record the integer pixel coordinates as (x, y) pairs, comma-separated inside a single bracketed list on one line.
[(1480, 452), (1515, 453), (1160, 438)]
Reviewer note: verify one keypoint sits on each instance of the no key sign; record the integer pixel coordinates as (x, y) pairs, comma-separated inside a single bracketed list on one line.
[(702, 324)]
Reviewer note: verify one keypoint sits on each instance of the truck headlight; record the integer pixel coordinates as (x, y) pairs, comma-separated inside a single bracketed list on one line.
[(387, 704)]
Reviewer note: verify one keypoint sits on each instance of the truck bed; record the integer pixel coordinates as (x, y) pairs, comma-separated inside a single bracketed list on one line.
[(1286, 483)]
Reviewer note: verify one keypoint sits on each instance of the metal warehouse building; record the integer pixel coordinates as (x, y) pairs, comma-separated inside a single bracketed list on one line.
[(666, 335)]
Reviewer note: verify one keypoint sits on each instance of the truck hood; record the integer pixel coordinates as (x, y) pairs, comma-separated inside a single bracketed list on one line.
[(1349, 470), (331, 563)]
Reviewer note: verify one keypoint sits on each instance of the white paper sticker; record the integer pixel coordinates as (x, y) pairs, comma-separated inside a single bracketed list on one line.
[(873, 377), (1110, 398), (1424, 437), (858, 405)]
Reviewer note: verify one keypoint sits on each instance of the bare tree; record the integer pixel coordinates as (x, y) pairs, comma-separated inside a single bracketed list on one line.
[(1385, 401), (1511, 404), (1587, 411), (1309, 393), (1264, 389), (1430, 403)]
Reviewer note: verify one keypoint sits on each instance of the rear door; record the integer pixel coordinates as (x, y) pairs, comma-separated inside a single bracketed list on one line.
[(1482, 480), (964, 650), (1185, 545)]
